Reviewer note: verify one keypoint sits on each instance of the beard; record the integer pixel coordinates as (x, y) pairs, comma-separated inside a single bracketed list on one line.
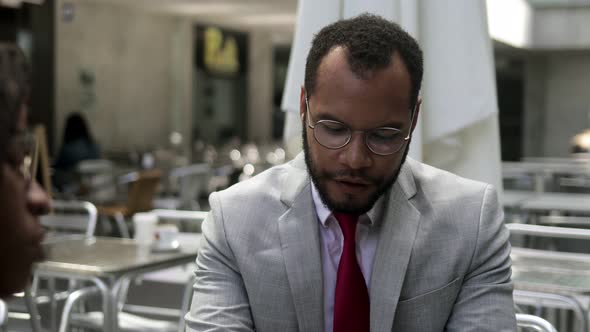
[(350, 206)]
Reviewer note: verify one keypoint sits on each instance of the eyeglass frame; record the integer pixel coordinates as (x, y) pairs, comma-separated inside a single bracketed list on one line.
[(406, 139), (24, 142)]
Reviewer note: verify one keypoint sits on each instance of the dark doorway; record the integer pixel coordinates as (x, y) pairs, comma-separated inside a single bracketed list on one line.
[(510, 87)]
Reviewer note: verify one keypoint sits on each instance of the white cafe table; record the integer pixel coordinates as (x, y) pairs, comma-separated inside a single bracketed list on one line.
[(560, 202), (514, 198), (108, 263), (541, 170), (573, 167)]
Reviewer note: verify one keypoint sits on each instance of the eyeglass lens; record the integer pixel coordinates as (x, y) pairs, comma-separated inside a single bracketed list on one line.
[(334, 135)]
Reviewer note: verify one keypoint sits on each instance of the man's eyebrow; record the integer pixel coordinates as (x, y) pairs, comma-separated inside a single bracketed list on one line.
[(393, 124), (325, 116)]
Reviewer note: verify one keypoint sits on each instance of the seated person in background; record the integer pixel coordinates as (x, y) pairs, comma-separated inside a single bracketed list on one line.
[(351, 235), (77, 145), (21, 199)]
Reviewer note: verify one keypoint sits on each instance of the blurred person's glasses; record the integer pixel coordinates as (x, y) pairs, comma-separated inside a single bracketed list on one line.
[(382, 141), (22, 153)]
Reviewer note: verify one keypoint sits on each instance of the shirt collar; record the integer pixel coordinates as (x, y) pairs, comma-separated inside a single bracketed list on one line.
[(324, 213)]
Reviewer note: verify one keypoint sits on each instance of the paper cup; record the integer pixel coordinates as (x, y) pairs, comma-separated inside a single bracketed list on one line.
[(145, 227)]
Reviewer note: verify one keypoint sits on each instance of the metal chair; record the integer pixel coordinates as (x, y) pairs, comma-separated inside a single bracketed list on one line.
[(559, 276), (29, 314), (129, 320), (141, 192), (534, 323), (539, 300), (189, 182), (67, 218), (132, 317), (70, 217), (98, 182)]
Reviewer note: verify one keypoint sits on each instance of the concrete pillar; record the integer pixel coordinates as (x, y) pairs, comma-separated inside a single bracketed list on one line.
[(260, 86)]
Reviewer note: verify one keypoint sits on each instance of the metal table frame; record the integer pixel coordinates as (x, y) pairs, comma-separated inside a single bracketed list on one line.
[(110, 282)]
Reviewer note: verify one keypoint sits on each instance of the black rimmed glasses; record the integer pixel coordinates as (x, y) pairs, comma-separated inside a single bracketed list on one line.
[(382, 141)]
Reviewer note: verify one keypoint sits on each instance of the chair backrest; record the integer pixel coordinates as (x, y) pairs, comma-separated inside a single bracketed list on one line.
[(71, 217), (538, 267), (142, 191), (191, 181), (534, 323), (535, 299), (97, 178)]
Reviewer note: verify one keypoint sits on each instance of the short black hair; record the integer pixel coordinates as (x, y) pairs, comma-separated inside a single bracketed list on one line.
[(370, 42), (14, 91)]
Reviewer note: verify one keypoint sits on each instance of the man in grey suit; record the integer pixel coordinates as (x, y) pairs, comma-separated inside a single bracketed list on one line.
[(351, 236)]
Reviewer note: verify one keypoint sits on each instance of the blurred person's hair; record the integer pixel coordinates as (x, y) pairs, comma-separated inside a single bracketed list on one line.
[(370, 41), (14, 92), (76, 128)]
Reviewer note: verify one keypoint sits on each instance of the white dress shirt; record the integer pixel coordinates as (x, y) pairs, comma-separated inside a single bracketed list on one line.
[(332, 240)]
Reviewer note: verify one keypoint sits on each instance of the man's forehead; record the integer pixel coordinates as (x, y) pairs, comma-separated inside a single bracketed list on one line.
[(336, 63), (337, 79)]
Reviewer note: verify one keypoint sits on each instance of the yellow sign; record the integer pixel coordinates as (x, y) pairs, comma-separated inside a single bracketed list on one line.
[(220, 55)]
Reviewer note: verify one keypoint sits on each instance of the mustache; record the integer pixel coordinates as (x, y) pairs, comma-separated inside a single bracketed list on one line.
[(351, 174)]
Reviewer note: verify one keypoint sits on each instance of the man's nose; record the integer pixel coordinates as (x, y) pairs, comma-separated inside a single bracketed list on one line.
[(37, 199), (356, 154)]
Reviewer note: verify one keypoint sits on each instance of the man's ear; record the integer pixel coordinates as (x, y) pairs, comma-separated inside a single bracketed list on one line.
[(302, 107), (416, 113)]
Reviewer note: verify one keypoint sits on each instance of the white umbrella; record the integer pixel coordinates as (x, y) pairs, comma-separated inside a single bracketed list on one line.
[(459, 118)]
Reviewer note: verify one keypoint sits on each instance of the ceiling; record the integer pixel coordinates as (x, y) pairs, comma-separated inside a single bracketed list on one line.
[(275, 15), (559, 3)]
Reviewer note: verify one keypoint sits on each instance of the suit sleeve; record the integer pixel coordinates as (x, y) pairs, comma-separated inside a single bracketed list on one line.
[(485, 300), (220, 302)]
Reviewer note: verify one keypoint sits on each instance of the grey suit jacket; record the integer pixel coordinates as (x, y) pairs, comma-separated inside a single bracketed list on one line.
[(442, 261)]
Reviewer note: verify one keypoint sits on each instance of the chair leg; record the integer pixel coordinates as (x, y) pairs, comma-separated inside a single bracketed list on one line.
[(122, 297), (187, 298), (105, 226), (3, 316), (32, 308), (71, 301), (120, 220)]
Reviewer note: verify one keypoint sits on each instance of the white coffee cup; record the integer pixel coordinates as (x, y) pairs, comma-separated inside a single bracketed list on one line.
[(166, 236), (145, 224)]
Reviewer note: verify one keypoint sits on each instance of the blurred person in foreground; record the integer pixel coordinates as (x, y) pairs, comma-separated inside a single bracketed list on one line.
[(21, 199), (352, 235)]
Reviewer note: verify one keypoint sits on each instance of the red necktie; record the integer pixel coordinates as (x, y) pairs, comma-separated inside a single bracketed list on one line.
[(351, 302)]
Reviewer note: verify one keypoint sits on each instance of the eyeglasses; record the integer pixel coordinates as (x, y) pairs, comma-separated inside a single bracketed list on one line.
[(381, 141), (22, 151)]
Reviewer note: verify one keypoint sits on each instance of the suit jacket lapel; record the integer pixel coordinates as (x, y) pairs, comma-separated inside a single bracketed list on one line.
[(397, 233), (300, 244)]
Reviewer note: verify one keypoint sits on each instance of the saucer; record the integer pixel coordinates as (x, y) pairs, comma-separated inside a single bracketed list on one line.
[(163, 247)]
